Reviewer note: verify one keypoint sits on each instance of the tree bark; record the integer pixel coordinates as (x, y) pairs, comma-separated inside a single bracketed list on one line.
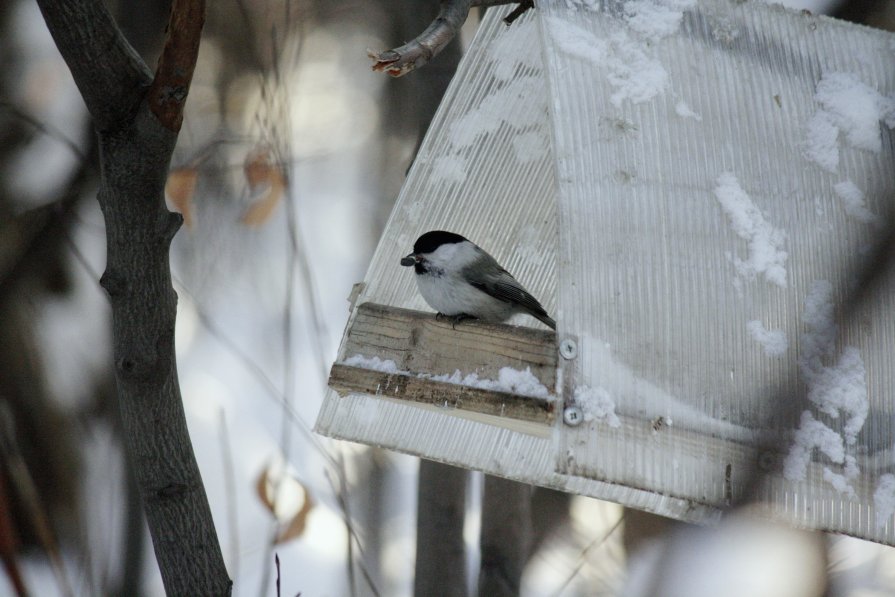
[(440, 553), (506, 536), (137, 119)]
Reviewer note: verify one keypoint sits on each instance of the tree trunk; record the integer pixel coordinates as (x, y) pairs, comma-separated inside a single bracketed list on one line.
[(506, 536), (138, 118), (440, 553)]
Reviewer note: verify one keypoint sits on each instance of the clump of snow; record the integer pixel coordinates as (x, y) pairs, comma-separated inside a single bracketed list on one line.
[(528, 103), (818, 340), (530, 146), (838, 387), (684, 111), (635, 75), (766, 254), (511, 50), (374, 363), (839, 483), (655, 19), (523, 383), (628, 54), (588, 4), (514, 381), (884, 499), (774, 342), (843, 387), (596, 403), (853, 201), (851, 467), (849, 108), (811, 434), (450, 168), (725, 31), (835, 389), (856, 109), (822, 141), (519, 103)]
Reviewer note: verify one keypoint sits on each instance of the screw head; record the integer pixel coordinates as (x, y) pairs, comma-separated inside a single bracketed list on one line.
[(572, 416), (568, 349)]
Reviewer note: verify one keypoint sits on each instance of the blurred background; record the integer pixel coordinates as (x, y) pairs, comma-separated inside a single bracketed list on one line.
[(290, 157)]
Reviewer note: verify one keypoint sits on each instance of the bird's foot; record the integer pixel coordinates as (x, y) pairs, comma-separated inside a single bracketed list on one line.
[(454, 319)]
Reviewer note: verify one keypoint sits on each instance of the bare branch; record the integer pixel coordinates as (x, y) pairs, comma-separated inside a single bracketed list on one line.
[(429, 43), (167, 96), (110, 75)]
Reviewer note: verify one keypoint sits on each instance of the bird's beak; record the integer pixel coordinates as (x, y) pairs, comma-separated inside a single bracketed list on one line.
[(409, 260)]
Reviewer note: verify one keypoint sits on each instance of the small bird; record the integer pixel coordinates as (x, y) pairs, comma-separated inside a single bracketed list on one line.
[(461, 281)]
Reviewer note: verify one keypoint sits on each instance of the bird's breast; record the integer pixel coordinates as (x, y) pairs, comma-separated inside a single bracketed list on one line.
[(451, 295)]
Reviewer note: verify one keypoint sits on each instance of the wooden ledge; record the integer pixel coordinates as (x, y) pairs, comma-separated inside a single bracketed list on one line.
[(346, 379), (421, 346)]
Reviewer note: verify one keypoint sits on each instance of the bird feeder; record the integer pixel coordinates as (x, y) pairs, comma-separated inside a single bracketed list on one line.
[(701, 195)]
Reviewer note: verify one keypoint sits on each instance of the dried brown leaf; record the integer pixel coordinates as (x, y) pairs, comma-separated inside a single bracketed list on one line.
[(265, 490), (273, 481), (179, 190), (296, 526), (267, 185)]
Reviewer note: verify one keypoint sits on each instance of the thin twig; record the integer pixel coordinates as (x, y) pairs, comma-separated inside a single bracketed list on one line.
[(288, 385), (44, 128), (299, 250), (40, 227), (276, 559), (22, 484), (581, 557), (343, 503)]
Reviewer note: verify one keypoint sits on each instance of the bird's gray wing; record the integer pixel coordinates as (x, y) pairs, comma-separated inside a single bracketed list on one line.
[(495, 281)]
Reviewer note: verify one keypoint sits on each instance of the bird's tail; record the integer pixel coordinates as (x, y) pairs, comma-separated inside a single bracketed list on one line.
[(546, 319)]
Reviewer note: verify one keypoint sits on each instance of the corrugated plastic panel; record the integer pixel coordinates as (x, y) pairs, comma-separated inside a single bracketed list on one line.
[(690, 189), (723, 168)]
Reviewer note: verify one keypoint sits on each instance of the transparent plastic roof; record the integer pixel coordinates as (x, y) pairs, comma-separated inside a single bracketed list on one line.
[(692, 189)]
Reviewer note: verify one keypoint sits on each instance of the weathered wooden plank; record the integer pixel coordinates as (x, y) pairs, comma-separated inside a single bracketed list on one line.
[(345, 380), (421, 346), (419, 343)]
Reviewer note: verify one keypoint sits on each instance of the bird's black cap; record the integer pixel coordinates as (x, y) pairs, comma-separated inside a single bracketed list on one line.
[(433, 239)]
